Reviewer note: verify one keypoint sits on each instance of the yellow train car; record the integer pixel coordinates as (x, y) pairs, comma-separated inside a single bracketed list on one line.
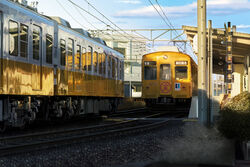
[(49, 69), (168, 77)]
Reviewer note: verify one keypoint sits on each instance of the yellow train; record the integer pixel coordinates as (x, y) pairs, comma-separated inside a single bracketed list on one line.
[(168, 77), (48, 69)]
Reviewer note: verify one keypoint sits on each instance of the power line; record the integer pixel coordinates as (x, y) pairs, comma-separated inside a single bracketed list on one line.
[(105, 17), (70, 15), (85, 18), (171, 25), (100, 19), (169, 20), (162, 18)]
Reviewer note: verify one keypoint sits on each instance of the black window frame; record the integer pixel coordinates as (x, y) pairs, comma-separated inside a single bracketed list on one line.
[(62, 53), (70, 49), (16, 43), (90, 54), (177, 78), (152, 65), (161, 72), (49, 49), (79, 56), (36, 51), (24, 42)]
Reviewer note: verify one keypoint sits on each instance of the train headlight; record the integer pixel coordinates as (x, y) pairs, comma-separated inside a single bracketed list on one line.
[(181, 63), (165, 57)]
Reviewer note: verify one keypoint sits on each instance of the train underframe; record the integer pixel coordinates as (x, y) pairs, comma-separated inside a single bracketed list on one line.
[(168, 101), (18, 111)]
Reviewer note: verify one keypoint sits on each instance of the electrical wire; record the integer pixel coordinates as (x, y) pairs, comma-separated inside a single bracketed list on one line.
[(100, 19), (70, 15), (163, 19)]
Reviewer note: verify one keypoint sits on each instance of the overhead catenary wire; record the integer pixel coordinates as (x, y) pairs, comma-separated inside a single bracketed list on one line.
[(70, 15), (101, 20), (105, 17), (109, 35), (169, 21), (172, 25), (162, 18)]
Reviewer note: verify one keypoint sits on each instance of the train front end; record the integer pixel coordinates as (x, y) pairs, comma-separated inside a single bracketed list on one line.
[(166, 78)]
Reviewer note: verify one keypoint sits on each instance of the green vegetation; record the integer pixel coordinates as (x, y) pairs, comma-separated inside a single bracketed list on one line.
[(235, 117)]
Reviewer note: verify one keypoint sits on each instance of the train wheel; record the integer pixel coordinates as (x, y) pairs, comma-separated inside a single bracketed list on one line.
[(2, 127), (24, 124)]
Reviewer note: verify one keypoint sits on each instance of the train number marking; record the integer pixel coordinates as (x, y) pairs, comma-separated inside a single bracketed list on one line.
[(165, 87), (177, 86)]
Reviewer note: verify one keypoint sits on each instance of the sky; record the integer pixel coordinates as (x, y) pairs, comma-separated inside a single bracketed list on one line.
[(140, 13)]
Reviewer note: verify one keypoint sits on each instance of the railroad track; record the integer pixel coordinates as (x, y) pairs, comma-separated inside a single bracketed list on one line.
[(38, 141), (124, 113)]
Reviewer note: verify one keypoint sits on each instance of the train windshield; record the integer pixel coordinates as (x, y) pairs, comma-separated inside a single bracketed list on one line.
[(165, 72), (150, 70), (181, 72)]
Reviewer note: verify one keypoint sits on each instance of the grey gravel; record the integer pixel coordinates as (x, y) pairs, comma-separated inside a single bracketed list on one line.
[(112, 151)]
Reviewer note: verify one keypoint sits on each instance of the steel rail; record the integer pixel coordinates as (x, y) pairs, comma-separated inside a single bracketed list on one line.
[(41, 144)]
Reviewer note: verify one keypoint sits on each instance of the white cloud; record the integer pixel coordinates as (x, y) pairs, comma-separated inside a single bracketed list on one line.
[(242, 26), (129, 1), (216, 7)]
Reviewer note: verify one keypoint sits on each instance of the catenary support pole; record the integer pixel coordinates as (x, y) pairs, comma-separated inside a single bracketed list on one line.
[(210, 73), (202, 94)]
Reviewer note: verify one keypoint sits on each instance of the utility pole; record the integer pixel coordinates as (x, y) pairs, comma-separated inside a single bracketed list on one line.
[(202, 50), (210, 73)]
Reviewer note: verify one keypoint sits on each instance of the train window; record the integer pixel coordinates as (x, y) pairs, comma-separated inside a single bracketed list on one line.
[(49, 48), (90, 58), (104, 63), (120, 69), (100, 63), (180, 72), (84, 59), (63, 52), (113, 68), (70, 54), (109, 65), (78, 58), (36, 42), (150, 70), (95, 62), (13, 35), (23, 40), (117, 68), (165, 72)]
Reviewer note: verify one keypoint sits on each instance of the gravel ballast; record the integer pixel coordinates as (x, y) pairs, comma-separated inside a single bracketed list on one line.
[(116, 151)]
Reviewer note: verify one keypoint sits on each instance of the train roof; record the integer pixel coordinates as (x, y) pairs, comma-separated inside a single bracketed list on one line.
[(51, 20), (158, 53), (163, 52)]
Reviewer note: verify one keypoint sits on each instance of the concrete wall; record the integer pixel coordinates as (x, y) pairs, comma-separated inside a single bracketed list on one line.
[(238, 84), (248, 79)]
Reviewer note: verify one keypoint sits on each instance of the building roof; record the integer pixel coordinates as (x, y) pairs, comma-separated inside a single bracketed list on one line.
[(240, 49)]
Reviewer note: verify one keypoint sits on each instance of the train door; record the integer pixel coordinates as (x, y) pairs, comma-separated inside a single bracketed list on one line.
[(1, 48), (165, 79)]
